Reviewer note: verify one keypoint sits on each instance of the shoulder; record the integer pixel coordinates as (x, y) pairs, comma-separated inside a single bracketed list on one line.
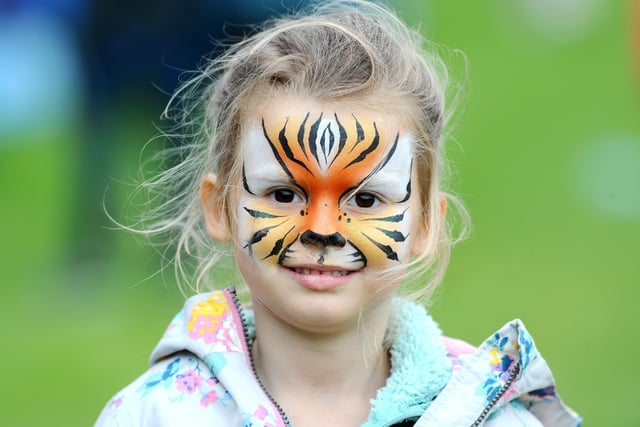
[(178, 390), (200, 370), (505, 381), (516, 376), (210, 323)]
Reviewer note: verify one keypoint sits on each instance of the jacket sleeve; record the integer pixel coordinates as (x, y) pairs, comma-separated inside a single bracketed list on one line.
[(109, 418), (512, 415)]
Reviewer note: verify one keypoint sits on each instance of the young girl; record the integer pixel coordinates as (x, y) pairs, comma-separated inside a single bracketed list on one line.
[(318, 159)]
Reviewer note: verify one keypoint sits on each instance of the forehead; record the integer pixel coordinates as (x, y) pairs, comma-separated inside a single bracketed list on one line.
[(355, 117), (279, 108)]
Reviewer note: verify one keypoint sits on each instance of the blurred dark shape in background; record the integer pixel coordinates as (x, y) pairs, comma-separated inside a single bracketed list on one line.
[(93, 67), (136, 51)]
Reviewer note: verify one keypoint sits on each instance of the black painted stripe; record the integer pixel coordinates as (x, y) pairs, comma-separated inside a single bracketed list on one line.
[(359, 133), (313, 135), (284, 143), (364, 153), (388, 251), (275, 152), (277, 247), (285, 253), (408, 190), (393, 218), (301, 136), (245, 184), (260, 214), (396, 235), (358, 254), (261, 234), (341, 140), (389, 154)]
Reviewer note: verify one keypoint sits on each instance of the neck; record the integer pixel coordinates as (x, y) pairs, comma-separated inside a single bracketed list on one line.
[(311, 373)]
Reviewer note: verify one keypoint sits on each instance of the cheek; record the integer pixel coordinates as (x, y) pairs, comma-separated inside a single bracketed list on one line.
[(263, 232), (383, 238)]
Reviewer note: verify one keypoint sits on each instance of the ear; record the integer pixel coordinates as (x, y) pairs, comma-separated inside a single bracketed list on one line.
[(443, 205), (214, 216), (422, 233), (420, 237)]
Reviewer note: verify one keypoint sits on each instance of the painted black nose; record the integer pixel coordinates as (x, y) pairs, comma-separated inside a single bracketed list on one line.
[(312, 238)]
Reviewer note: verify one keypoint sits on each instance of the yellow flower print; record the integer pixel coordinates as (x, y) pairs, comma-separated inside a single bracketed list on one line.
[(206, 315)]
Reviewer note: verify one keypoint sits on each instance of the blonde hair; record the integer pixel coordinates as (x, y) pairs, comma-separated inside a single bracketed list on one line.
[(352, 51)]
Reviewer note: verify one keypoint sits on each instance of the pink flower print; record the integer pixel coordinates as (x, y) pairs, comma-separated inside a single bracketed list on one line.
[(204, 327), (117, 402), (456, 365), (208, 399), (206, 318), (261, 412), (189, 381), (510, 393)]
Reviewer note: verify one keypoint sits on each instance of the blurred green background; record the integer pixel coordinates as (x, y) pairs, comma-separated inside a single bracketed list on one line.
[(545, 152)]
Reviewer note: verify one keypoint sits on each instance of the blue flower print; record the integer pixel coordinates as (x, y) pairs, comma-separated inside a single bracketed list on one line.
[(164, 378), (525, 347)]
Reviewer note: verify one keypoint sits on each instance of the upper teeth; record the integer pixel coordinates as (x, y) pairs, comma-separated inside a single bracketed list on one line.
[(323, 272)]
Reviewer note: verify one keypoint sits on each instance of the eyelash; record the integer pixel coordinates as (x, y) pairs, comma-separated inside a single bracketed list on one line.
[(285, 196), (361, 200), (364, 200)]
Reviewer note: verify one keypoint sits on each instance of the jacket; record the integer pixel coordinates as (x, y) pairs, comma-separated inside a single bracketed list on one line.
[(201, 374)]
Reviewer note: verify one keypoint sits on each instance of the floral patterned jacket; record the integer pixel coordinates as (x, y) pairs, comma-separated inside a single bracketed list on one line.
[(201, 374)]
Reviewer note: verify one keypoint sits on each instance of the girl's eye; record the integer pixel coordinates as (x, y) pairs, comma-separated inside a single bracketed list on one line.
[(365, 200), (284, 195)]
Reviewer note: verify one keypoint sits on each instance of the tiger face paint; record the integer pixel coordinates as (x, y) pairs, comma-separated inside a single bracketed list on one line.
[(325, 190)]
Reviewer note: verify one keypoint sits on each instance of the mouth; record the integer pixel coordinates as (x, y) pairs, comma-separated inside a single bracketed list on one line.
[(311, 271), (321, 279)]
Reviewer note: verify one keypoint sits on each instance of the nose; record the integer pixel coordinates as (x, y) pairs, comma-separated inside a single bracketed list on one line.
[(312, 238)]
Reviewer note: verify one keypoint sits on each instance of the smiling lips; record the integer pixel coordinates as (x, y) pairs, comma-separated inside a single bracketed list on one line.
[(322, 272), (317, 279)]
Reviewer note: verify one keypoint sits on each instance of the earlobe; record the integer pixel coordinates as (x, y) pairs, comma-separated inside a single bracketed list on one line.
[(212, 206)]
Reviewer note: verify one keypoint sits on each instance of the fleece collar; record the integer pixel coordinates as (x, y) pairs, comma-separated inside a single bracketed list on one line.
[(420, 367)]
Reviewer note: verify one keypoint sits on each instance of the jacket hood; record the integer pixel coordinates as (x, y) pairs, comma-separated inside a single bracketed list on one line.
[(426, 384), (505, 371), (214, 328)]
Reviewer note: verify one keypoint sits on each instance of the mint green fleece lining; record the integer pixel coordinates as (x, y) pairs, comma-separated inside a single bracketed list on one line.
[(420, 367)]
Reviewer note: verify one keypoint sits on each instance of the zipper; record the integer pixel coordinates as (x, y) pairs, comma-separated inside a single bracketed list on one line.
[(245, 333), (404, 421), (485, 412)]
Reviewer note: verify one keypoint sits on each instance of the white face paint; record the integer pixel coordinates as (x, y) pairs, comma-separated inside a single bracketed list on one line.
[(312, 176)]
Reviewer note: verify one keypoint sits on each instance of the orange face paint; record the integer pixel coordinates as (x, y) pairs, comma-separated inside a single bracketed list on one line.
[(326, 189)]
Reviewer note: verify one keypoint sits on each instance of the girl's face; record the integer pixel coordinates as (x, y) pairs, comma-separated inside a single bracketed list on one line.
[(326, 204)]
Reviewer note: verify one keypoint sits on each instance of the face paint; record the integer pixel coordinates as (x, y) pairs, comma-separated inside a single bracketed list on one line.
[(326, 190)]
